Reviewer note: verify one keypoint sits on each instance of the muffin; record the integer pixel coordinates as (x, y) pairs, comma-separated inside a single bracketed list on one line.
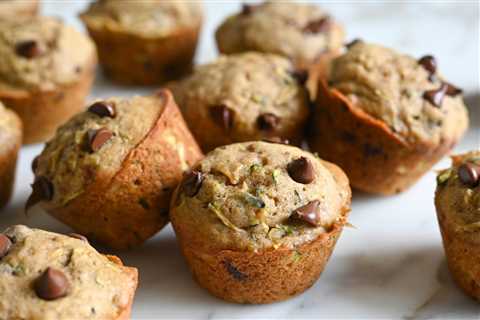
[(18, 9), (46, 275), (10, 142), (302, 32), (158, 37), (457, 200), (257, 221), (46, 72), (244, 97), (110, 171), (385, 118)]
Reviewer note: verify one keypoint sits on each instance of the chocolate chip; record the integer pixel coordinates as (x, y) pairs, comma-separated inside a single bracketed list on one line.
[(428, 63), (436, 96), (234, 272), (28, 49), (301, 170), (103, 109), (97, 138), (247, 9), (35, 164), (42, 190), (192, 182), (352, 43), (78, 236), (317, 26), (452, 90), (222, 116), (277, 140), (371, 150), (5, 244), (300, 75), (267, 122), (310, 213), (469, 174), (51, 285)]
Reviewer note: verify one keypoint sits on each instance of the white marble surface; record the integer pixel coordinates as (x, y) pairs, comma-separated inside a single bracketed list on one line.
[(392, 265)]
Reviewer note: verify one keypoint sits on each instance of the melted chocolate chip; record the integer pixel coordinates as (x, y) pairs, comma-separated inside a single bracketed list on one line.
[(247, 9), (27, 49), (42, 190), (78, 236), (277, 140), (352, 43), (436, 96), (452, 90), (310, 213), (317, 26), (103, 109), (223, 116), (234, 272), (428, 63), (469, 174), (301, 170), (97, 138), (267, 122), (192, 182), (5, 245), (301, 75), (51, 285)]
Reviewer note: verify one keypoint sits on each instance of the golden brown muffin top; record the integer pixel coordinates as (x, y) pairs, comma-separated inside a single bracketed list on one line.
[(93, 145), (258, 195), (149, 18), (458, 191), (81, 283), (41, 53), (407, 94), (298, 31)]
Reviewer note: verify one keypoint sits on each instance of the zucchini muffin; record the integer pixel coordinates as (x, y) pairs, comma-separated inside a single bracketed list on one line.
[(158, 37), (302, 32), (14, 9), (385, 118), (109, 172), (457, 200), (244, 97), (46, 72), (10, 142), (46, 275), (257, 221)]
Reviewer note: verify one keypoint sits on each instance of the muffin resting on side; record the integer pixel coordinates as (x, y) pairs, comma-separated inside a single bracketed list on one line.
[(46, 72), (10, 142), (302, 32), (46, 275), (244, 97), (457, 201), (257, 222), (109, 172), (145, 42), (14, 9), (385, 118)]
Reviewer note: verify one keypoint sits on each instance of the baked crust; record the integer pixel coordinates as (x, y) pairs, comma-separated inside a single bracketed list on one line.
[(109, 210), (375, 159), (132, 273)]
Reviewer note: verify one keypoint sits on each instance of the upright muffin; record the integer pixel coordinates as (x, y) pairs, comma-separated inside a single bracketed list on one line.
[(302, 32), (457, 200), (46, 275), (257, 222), (46, 72), (157, 37), (10, 142), (385, 118), (14, 9), (244, 97), (109, 172)]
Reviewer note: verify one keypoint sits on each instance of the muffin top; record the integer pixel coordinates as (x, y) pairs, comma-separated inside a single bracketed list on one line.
[(244, 96), (46, 275), (458, 191), (41, 53), (301, 32), (406, 94), (149, 18), (91, 145), (259, 195), (14, 8)]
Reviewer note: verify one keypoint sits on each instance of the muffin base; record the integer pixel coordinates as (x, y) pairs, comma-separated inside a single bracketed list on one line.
[(463, 254), (151, 60), (375, 159), (124, 211), (43, 111)]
